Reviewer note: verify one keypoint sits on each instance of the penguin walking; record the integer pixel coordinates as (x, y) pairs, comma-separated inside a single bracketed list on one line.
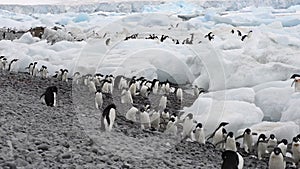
[(50, 96), (276, 160), (144, 118), (187, 126), (131, 114), (199, 134), (126, 97), (246, 36), (261, 146), (108, 117), (98, 99), (232, 160), (76, 77), (10, 64), (3, 64), (247, 140), (171, 127), (30, 68), (44, 72), (218, 135)]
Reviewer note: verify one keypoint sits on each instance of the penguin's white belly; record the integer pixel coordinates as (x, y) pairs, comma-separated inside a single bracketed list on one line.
[(145, 120), (126, 97), (276, 162), (171, 128), (230, 144), (200, 136), (54, 102), (241, 161), (187, 127), (217, 138), (98, 100), (155, 120), (297, 85)]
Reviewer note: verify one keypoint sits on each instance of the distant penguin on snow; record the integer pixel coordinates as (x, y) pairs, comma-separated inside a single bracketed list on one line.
[(50, 96), (108, 117)]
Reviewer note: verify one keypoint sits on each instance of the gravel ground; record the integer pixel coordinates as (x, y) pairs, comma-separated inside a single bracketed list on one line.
[(35, 136)]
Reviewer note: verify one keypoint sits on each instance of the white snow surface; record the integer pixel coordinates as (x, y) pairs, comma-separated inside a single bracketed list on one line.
[(247, 80)]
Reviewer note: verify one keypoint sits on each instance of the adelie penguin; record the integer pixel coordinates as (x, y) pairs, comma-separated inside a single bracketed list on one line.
[(10, 64), (131, 114), (187, 126), (64, 76), (276, 160), (3, 64), (219, 135), (44, 72), (34, 69), (296, 82), (247, 140), (171, 127), (262, 145), (145, 119), (232, 160), (210, 36), (199, 134), (50, 96), (108, 117), (98, 99)]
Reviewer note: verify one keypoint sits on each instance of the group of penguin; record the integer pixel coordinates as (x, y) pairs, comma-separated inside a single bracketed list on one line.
[(159, 118), (4, 65)]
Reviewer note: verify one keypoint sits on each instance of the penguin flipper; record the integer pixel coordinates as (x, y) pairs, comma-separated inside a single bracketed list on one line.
[(42, 95), (292, 83), (254, 134), (241, 136), (209, 136), (220, 142)]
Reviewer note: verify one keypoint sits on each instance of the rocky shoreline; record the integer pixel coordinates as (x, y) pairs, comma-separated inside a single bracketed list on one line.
[(33, 135)]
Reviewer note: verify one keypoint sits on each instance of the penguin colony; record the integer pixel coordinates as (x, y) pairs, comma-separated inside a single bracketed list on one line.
[(159, 118)]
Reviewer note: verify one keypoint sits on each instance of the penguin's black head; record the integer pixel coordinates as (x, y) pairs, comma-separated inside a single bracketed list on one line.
[(2, 57), (262, 137), (230, 134), (54, 89), (98, 91), (298, 136), (223, 124), (166, 110), (232, 31), (284, 141), (199, 125), (172, 119), (277, 150), (295, 139), (66, 70), (272, 136), (35, 63), (248, 131), (142, 109)]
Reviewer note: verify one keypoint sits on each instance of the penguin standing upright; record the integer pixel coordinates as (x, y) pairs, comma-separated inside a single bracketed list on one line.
[(4, 63), (296, 81), (262, 145), (108, 117), (187, 126), (122, 84), (76, 77), (98, 99), (164, 118), (171, 127), (272, 142), (10, 64), (50, 96), (218, 135), (154, 87), (232, 160), (132, 88), (179, 95), (91, 86), (126, 97), (145, 119), (162, 103), (131, 114), (283, 146), (247, 140), (199, 134), (230, 142), (276, 160), (155, 120), (44, 72), (64, 76), (34, 69), (2, 67), (296, 150)]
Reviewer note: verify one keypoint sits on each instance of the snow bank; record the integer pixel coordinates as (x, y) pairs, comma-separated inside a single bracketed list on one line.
[(241, 94), (292, 109), (278, 128), (238, 113)]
